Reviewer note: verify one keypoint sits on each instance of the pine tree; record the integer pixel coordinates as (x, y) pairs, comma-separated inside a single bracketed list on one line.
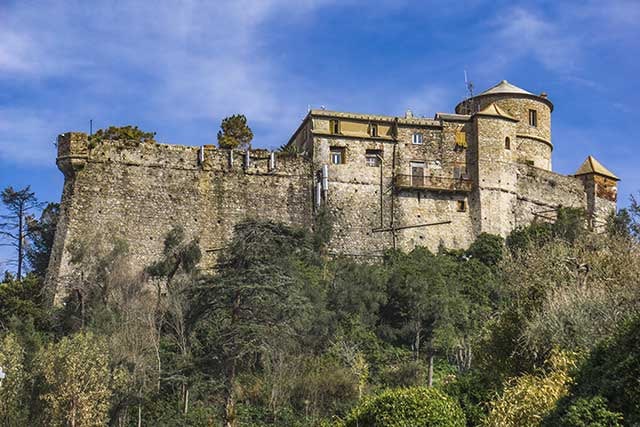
[(14, 226), (235, 133)]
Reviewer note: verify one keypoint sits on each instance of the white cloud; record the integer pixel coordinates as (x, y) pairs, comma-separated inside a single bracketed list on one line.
[(183, 60), (524, 33)]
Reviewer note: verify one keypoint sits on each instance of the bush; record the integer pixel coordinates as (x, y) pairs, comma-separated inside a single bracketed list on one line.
[(611, 372), (529, 398), (410, 407), (589, 412)]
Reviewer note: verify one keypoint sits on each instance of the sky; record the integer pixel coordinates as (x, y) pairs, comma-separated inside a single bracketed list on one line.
[(178, 67)]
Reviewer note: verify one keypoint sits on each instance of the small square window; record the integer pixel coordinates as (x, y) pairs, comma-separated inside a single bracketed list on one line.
[(373, 158), (533, 118), (337, 155), (334, 126), (417, 138), (373, 129), (462, 206)]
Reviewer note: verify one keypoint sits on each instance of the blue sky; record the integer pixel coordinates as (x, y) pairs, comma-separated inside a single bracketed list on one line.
[(179, 67)]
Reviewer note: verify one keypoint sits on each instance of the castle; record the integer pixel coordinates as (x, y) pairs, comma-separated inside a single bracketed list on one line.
[(389, 182)]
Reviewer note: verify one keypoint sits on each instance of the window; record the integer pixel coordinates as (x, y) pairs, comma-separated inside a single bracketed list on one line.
[(533, 118), (417, 174), (507, 143), (373, 129), (334, 126), (462, 206), (372, 158), (417, 138), (529, 162), (337, 155)]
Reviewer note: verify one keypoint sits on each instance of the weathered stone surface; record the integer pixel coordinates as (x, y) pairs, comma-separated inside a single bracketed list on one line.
[(468, 178)]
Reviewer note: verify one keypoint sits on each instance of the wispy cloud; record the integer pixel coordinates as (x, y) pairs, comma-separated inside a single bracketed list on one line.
[(180, 59)]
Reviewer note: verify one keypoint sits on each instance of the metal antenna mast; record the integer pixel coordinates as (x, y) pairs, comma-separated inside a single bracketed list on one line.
[(468, 83)]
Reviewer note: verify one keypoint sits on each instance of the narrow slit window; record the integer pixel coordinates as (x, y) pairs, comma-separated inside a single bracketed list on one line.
[(533, 118), (507, 143), (462, 206), (373, 129)]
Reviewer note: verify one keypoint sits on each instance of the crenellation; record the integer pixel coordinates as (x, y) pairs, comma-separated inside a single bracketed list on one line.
[(383, 179)]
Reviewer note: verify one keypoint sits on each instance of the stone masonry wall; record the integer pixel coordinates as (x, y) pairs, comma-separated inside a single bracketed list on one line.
[(140, 191)]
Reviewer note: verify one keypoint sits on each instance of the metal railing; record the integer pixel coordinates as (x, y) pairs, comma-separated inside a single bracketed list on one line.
[(437, 183)]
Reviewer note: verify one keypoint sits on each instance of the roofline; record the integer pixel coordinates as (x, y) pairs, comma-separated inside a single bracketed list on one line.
[(613, 177), (509, 95)]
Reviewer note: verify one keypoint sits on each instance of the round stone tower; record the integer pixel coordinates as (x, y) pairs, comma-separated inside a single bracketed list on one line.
[(532, 144)]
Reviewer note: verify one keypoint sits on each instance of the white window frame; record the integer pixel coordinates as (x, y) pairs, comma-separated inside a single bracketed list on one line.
[(372, 159), (336, 153), (417, 139)]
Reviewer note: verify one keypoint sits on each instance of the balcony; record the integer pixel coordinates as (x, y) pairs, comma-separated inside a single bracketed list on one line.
[(433, 183)]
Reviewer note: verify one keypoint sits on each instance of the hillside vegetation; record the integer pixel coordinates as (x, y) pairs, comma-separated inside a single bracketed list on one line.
[(538, 329)]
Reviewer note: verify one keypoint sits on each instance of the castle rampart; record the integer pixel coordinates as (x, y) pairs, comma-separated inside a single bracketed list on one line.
[(388, 182)]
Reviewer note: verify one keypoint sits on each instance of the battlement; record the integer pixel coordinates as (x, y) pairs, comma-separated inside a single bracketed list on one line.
[(75, 150), (383, 179)]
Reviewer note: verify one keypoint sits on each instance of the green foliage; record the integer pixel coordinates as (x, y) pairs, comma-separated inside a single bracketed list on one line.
[(234, 132), (13, 223), (472, 390), (41, 235), (569, 225), (587, 412), (24, 299), (418, 406), (527, 399), (357, 290), (612, 372), (487, 248), (77, 380), (121, 133), (13, 388), (290, 148), (255, 304)]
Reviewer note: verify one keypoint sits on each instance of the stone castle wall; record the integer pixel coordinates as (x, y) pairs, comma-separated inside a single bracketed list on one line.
[(470, 178), (140, 191)]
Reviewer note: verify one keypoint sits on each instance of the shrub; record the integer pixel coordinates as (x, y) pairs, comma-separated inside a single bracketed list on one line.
[(410, 407), (611, 371), (121, 133), (529, 398), (589, 412)]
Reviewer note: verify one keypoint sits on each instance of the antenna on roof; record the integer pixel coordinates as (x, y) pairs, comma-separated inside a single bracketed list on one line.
[(469, 104), (468, 83)]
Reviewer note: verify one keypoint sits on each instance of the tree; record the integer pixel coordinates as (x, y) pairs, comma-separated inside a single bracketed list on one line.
[(77, 380), (177, 272), (487, 248), (417, 303), (41, 235), (14, 226), (235, 133), (13, 395), (611, 372), (254, 305)]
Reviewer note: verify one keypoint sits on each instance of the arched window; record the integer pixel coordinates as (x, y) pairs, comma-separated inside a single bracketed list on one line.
[(507, 143)]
